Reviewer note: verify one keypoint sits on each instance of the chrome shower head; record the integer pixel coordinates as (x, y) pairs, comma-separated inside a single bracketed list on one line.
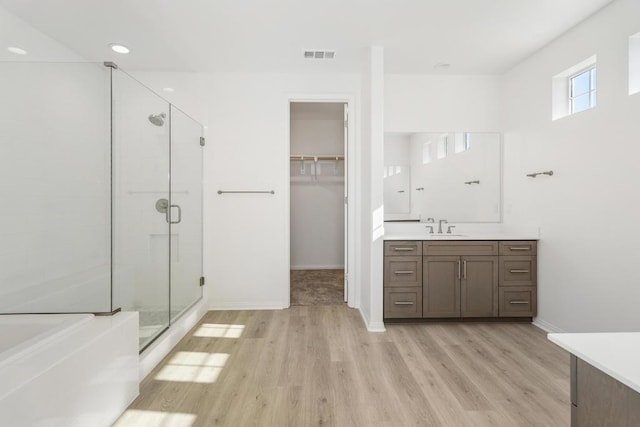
[(157, 119)]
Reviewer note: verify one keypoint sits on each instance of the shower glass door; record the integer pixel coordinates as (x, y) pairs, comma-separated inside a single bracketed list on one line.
[(186, 212), (141, 204)]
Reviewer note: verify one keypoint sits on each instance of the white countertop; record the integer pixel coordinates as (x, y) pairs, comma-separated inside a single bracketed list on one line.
[(458, 236), (615, 353)]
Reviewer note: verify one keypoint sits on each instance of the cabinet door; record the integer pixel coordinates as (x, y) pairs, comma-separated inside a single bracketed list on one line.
[(479, 286), (441, 286)]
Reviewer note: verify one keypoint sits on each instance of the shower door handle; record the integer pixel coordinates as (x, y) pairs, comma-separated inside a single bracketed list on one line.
[(169, 216)]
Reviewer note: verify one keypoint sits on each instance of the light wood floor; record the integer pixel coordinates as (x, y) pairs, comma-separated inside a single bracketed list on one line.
[(312, 366)]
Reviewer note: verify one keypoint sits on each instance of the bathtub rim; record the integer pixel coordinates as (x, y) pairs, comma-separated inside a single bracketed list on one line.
[(66, 323)]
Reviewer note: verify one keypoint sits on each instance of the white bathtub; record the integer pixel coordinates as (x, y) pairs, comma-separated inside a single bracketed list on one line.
[(67, 370), (21, 334)]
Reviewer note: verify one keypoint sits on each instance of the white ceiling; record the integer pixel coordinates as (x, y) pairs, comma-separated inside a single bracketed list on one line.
[(474, 36)]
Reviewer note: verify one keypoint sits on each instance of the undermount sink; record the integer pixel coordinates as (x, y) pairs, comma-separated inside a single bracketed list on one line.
[(445, 236)]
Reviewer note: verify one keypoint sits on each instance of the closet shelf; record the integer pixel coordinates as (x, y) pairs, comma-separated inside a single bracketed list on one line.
[(316, 158), (312, 180)]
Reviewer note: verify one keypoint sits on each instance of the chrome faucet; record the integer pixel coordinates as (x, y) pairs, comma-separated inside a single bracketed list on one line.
[(431, 220), (430, 227), (440, 225), (449, 228)]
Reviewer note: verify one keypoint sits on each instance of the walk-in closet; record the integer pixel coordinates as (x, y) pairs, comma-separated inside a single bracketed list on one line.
[(317, 200)]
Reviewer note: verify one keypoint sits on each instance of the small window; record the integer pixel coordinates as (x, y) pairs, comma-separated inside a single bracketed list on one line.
[(426, 153), (582, 88), (574, 89), (441, 148), (634, 64), (462, 142)]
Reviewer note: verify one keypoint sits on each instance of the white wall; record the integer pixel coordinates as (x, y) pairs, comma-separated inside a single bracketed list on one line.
[(188, 90), (317, 196), (40, 47), (363, 202), (246, 237), (588, 210), (436, 103), (371, 201), (396, 149), (397, 175)]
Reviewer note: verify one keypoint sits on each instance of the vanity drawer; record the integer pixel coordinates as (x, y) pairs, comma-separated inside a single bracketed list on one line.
[(523, 247), (403, 302), (518, 301), (403, 271), (403, 248), (460, 248), (518, 271)]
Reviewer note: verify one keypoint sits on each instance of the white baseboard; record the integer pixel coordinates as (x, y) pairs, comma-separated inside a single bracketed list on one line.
[(372, 326), (317, 267), (547, 327)]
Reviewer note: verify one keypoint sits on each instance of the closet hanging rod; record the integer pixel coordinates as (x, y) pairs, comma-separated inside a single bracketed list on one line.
[(305, 157), (158, 192), (246, 192)]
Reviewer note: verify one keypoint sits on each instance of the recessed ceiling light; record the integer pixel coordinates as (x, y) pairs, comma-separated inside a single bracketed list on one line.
[(168, 89), (442, 66), (119, 48), (17, 50)]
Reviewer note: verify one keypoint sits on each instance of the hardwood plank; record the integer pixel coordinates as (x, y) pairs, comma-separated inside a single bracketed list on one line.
[(467, 394), (441, 397), (308, 366)]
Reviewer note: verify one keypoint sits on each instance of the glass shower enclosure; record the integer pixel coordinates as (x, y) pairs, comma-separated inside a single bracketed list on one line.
[(102, 184)]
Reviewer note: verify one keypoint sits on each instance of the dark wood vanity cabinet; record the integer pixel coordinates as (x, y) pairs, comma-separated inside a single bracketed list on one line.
[(459, 279)]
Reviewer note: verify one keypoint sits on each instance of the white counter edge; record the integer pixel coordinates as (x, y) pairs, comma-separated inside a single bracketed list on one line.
[(618, 363), (468, 236)]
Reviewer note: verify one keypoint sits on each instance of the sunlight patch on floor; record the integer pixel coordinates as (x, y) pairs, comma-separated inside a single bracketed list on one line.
[(135, 417), (219, 330), (193, 366)]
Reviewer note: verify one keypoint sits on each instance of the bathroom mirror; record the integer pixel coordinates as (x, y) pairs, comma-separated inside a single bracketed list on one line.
[(455, 176)]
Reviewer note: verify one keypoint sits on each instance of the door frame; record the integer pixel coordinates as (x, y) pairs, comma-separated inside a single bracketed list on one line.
[(350, 185)]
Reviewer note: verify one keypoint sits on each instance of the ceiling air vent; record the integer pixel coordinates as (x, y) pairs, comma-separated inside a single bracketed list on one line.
[(319, 54)]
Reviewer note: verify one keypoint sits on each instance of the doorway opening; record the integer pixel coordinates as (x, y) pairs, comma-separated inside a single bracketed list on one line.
[(318, 203)]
